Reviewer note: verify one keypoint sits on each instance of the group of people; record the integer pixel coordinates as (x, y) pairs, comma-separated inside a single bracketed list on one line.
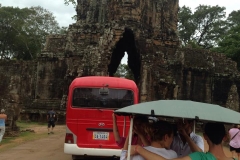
[(159, 140)]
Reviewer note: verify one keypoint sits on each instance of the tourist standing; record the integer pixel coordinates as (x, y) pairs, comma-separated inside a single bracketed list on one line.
[(3, 118), (234, 140)]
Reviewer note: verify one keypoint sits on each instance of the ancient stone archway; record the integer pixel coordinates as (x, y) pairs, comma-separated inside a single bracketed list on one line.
[(126, 45)]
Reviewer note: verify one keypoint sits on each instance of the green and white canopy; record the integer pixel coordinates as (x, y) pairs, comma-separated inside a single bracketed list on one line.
[(183, 109)]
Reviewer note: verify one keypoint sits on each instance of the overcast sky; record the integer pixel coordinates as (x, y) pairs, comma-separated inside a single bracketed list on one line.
[(64, 13)]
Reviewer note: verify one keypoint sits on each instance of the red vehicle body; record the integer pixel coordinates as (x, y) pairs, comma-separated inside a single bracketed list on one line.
[(91, 102)]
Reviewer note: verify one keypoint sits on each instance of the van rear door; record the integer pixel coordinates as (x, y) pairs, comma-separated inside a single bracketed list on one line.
[(93, 110)]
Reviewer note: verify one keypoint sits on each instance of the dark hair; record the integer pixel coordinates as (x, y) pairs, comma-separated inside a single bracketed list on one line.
[(142, 122), (235, 126), (190, 120), (157, 130), (140, 119), (215, 132)]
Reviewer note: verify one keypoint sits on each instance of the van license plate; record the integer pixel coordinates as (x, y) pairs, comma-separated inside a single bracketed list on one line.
[(101, 135)]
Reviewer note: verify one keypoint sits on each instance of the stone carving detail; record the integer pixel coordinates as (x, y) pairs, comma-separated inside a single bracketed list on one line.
[(233, 98)]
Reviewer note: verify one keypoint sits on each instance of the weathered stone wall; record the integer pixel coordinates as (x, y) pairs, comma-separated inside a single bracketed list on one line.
[(192, 74), (96, 44), (17, 86)]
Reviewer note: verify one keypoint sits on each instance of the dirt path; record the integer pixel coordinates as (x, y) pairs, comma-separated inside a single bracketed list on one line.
[(48, 148)]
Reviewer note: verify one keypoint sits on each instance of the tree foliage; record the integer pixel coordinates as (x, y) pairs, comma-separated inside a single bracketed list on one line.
[(204, 27), (230, 43), (234, 18), (67, 2), (23, 31), (209, 28), (186, 25), (124, 71)]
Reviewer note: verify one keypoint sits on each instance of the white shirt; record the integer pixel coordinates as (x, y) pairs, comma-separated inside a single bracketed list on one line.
[(168, 154), (184, 150)]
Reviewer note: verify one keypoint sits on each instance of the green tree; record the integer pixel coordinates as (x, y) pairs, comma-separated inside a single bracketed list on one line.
[(186, 25), (63, 30), (12, 39), (229, 44), (23, 31), (39, 24), (67, 2), (234, 18), (124, 71), (204, 27), (74, 3)]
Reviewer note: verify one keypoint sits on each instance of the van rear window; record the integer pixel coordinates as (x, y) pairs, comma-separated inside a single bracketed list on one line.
[(101, 98)]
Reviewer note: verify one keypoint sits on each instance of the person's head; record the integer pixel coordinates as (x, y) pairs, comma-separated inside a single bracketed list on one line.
[(187, 124), (236, 126), (162, 132), (140, 122), (215, 132), (2, 110)]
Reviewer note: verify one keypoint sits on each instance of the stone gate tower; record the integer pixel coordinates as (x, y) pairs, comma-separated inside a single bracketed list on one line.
[(146, 30), (107, 29)]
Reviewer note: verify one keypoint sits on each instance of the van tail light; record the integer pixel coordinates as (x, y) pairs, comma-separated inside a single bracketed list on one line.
[(69, 138)]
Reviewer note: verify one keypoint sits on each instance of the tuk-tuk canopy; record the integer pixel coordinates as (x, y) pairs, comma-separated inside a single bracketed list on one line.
[(183, 109)]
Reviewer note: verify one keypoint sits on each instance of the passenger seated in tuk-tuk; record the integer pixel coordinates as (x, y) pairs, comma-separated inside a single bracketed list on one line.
[(161, 136), (140, 137), (186, 141), (214, 134)]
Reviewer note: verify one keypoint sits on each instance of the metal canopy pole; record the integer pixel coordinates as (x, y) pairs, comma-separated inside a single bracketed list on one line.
[(194, 126), (124, 126), (130, 138)]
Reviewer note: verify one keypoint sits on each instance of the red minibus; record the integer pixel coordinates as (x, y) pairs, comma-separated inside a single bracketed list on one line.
[(89, 125)]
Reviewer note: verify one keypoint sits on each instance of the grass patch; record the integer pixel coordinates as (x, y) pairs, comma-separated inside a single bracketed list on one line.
[(24, 125), (10, 142)]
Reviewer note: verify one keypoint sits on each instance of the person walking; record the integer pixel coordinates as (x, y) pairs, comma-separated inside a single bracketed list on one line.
[(234, 143), (3, 118), (51, 120)]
